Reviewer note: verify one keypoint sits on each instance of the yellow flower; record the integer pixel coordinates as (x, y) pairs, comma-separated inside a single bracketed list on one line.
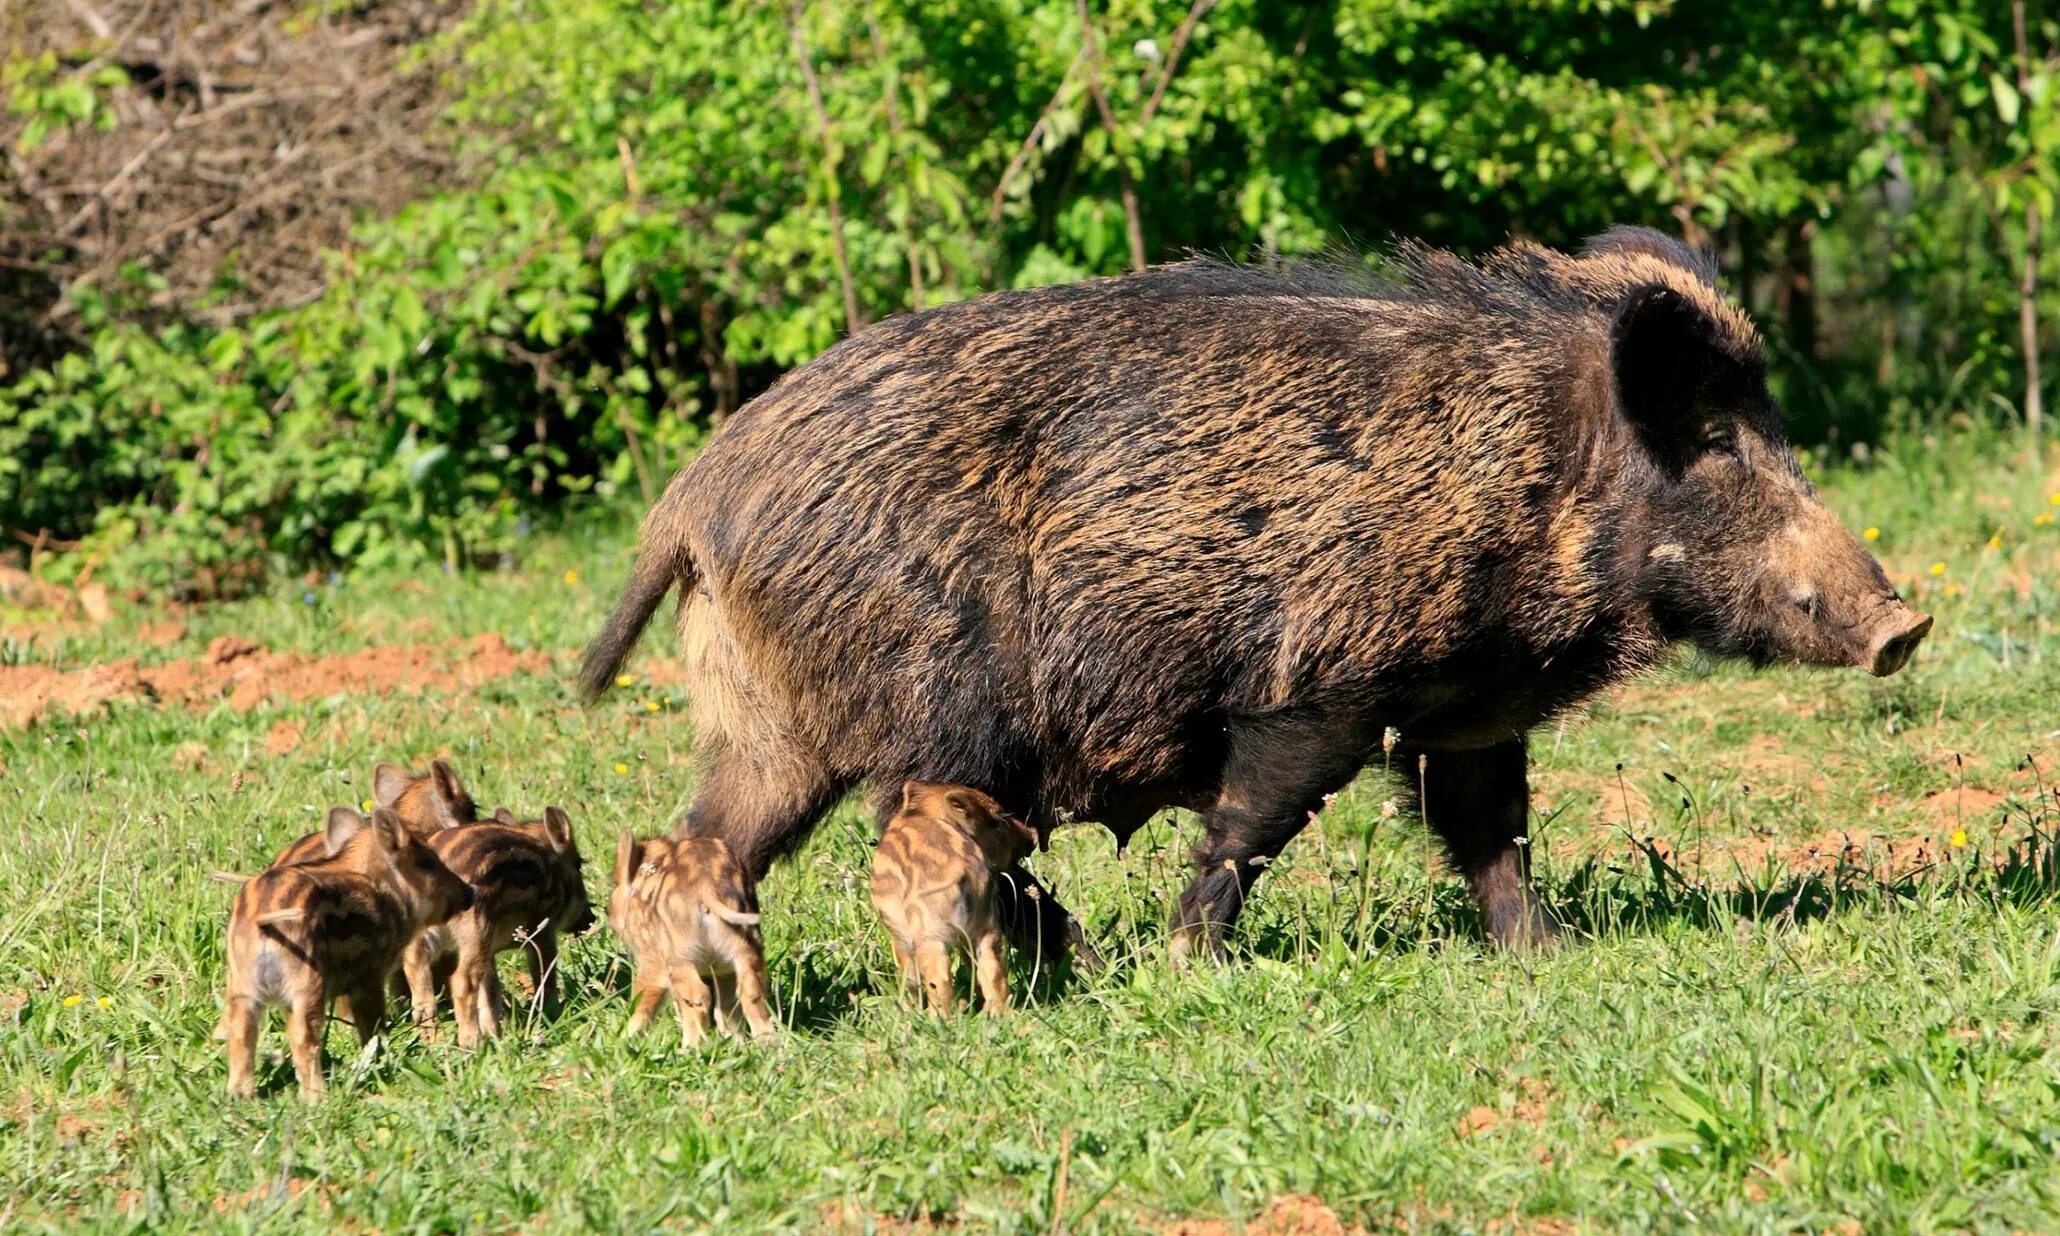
[(621, 769), (2053, 498), (106, 1002), (571, 576), (367, 806), (1959, 837), (1952, 590), (2041, 519), (623, 680), (72, 1002), (1938, 568), (651, 706), (1996, 541), (1872, 534)]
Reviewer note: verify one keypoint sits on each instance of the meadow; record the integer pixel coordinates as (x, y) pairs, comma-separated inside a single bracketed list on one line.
[(1810, 982)]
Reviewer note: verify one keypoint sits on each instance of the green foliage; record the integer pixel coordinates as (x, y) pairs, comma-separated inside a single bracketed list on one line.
[(1740, 1036), (656, 215)]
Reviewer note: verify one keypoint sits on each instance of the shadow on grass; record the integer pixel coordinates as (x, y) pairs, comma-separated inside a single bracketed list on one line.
[(1604, 897)]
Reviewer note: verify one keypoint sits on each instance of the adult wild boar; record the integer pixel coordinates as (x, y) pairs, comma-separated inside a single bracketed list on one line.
[(1195, 537)]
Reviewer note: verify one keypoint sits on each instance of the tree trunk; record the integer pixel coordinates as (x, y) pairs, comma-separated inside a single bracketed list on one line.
[(2028, 281), (1795, 293)]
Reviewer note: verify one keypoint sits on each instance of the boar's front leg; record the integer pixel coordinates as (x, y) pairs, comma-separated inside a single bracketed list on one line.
[(1038, 926), (1278, 771), (1479, 803)]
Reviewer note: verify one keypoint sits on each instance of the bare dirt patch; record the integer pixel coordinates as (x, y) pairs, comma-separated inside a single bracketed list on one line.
[(244, 674), (1292, 1214)]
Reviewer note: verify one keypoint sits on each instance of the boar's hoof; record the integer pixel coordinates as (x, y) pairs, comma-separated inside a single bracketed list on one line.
[(1085, 957), (1196, 942), (1529, 929)]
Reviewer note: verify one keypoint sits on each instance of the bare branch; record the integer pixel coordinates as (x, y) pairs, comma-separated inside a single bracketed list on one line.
[(1186, 31), (1031, 138), (1133, 221), (795, 14)]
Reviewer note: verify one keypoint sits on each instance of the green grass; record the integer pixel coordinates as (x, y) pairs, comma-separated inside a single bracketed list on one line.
[(1743, 1038)]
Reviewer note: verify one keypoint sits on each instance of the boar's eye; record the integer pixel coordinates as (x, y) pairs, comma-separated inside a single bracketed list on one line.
[(1724, 445)]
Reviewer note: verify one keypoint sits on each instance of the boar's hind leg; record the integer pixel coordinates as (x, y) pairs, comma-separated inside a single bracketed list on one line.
[(761, 809), (1278, 771), (1479, 803)]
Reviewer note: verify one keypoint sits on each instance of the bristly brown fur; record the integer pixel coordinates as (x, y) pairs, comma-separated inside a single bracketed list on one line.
[(1195, 537), (689, 914)]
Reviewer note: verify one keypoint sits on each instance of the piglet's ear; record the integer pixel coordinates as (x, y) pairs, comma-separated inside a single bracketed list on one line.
[(450, 803), (389, 782), (969, 806), (504, 816), (558, 827), (387, 831), (629, 855), (341, 826)]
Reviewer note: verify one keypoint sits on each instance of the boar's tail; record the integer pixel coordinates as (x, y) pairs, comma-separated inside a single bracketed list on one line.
[(661, 563), (736, 918)]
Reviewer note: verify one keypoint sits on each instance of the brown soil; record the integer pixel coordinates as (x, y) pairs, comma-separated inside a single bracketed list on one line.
[(243, 674), (1290, 1215)]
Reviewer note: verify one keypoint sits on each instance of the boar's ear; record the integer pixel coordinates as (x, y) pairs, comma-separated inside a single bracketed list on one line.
[(387, 831), (558, 827), (341, 826), (912, 790), (629, 855), (449, 801), (1665, 353), (389, 782), (504, 816)]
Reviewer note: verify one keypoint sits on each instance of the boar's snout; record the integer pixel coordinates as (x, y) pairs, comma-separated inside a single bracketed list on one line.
[(1895, 639)]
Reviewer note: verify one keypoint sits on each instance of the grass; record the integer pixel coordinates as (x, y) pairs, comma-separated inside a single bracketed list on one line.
[(1757, 1030)]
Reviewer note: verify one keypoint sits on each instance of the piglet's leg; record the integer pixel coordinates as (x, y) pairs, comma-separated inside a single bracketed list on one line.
[(690, 995), (645, 992), (305, 1018), (991, 972), (466, 998), (240, 1028), (911, 978), (421, 974), (368, 1009), (934, 960), (493, 998), (747, 992)]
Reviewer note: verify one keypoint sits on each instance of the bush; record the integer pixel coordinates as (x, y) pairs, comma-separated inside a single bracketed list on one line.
[(653, 209)]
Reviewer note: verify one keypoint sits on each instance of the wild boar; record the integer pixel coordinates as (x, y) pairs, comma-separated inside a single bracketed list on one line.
[(1199, 536), (302, 934), (528, 887), (425, 803), (934, 879), (690, 917)]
